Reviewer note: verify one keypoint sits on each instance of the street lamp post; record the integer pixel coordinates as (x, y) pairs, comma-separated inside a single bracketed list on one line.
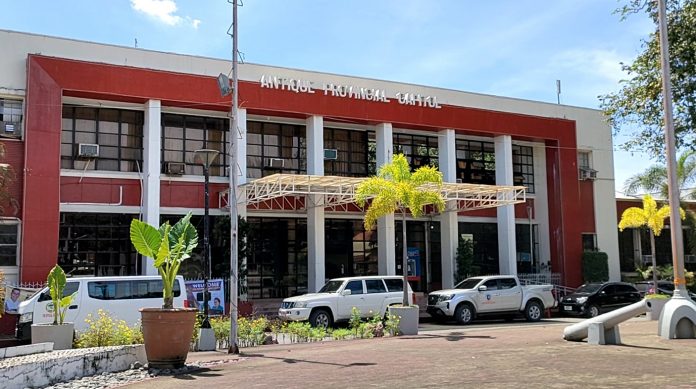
[(206, 157)]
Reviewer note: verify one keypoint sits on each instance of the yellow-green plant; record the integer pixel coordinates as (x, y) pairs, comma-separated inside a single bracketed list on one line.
[(396, 188), (56, 283), (2, 293), (648, 216), (169, 246), (105, 330)]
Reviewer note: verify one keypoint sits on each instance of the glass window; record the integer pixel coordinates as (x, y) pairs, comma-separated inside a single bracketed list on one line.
[(96, 244), (8, 244), (589, 242), (182, 135), (70, 288), (11, 117), (419, 150), (119, 134), (476, 163), (375, 286), (507, 283), (394, 284), (275, 148), (584, 160), (128, 290), (352, 152), (355, 287), (491, 284)]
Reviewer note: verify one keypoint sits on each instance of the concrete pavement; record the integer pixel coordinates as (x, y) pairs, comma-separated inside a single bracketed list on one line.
[(495, 357)]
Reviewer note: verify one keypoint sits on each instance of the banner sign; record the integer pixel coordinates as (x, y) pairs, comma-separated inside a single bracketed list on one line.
[(216, 301)]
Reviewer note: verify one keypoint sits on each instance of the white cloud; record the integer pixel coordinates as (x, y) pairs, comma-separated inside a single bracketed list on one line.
[(164, 11)]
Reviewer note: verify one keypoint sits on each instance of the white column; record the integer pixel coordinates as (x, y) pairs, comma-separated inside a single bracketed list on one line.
[(507, 246), (386, 235), (449, 227), (315, 212), (241, 169), (152, 144)]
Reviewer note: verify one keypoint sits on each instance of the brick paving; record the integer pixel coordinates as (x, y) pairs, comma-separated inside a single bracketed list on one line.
[(497, 357)]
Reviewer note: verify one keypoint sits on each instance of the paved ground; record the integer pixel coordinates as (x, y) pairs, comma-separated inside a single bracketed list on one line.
[(497, 356)]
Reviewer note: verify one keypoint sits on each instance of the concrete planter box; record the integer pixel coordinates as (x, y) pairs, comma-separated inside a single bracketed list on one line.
[(655, 308), (408, 324), (60, 335)]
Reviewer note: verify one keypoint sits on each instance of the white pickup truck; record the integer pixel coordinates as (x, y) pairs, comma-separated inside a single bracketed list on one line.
[(494, 295)]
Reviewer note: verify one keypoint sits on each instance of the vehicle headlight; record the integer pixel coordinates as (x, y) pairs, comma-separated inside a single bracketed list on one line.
[(581, 300), (26, 317), (300, 304), (445, 297)]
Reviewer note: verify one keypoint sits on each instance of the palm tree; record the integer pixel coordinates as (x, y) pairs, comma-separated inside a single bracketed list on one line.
[(648, 216), (396, 189), (654, 180)]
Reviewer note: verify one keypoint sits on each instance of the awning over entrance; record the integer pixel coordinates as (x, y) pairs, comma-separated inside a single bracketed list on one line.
[(331, 191)]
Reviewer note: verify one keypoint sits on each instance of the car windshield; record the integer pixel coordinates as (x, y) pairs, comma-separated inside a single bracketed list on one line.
[(331, 287), (588, 288), (468, 283)]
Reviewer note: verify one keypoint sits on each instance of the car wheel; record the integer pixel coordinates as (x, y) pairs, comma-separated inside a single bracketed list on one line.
[(320, 318), (464, 313), (533, 311), (593, 311)]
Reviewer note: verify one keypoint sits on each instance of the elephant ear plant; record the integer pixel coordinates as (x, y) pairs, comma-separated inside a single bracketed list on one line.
[(169, 246), (56, 283)]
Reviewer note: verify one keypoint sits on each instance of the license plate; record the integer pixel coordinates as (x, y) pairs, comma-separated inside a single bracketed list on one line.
[(567, 308)]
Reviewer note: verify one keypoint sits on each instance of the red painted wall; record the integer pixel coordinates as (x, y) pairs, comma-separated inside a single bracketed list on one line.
[(189, 194), (587, 217), (99, 190), (49, 77), (40, 213)]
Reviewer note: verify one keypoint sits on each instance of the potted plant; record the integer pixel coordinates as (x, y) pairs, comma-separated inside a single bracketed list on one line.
[(59, 333), (396, 189), (167, 331)]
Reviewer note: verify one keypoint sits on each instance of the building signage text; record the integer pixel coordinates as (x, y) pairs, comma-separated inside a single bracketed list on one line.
[(347, 91)]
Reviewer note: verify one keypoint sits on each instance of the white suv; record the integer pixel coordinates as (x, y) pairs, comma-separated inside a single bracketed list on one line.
[(335, 301)]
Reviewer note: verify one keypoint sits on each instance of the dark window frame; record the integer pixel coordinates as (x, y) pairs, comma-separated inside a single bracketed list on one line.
[(12, 111), (419, 150), (9, 248), (192, 124), (129, 136), (289, 141), (353, 152)]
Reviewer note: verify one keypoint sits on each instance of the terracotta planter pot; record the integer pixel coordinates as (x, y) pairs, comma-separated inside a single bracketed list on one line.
[(167, 334)]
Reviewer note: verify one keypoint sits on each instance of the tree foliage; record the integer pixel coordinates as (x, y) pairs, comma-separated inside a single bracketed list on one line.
[(636, 109), (395, 188), (648, 216)]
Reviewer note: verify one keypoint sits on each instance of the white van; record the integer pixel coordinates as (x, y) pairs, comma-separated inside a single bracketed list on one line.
[(122, 297)]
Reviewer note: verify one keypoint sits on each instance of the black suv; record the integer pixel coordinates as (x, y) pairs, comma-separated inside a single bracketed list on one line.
[(592, 299)]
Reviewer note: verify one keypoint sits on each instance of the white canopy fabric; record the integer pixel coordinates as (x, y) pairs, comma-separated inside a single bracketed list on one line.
[(332, 191)]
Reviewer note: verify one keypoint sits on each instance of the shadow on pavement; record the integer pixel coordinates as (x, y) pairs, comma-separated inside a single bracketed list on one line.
[(200, 373), (451, 337), (293, 360)]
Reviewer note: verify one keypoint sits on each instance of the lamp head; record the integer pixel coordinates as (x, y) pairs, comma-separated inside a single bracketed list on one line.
[(205, 157)]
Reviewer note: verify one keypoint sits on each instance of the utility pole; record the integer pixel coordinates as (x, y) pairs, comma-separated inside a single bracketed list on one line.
[(234, 131)]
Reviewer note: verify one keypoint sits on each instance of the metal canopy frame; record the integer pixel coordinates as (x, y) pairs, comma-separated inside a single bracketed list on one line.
[(334, 191)]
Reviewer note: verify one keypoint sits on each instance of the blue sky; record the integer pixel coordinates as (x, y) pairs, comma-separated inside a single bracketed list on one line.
[(501, 47)]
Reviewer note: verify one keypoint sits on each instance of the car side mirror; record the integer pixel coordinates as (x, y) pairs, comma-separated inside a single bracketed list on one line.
[(603, 292), (346, 292), (482, 288)]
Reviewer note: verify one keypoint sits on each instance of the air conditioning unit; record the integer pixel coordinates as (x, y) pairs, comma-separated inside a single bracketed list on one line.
[(647, 259), (460, 181), (10, 128), (88, 150), (275, 163), (331, 154), (690, 259), (588, 174), (175, 168)]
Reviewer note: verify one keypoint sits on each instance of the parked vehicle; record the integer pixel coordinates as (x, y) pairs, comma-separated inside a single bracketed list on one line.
[(663, 287), (335, 301), (122, 297), (594, 298), (493, 295)]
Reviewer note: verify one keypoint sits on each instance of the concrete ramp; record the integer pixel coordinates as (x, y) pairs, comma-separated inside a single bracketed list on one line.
[(579, 331)]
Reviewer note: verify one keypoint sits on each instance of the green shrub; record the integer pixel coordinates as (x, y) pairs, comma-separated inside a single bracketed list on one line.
[(595, 266), (105, 330), (341, 333), (654, 296), (391, 324)]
